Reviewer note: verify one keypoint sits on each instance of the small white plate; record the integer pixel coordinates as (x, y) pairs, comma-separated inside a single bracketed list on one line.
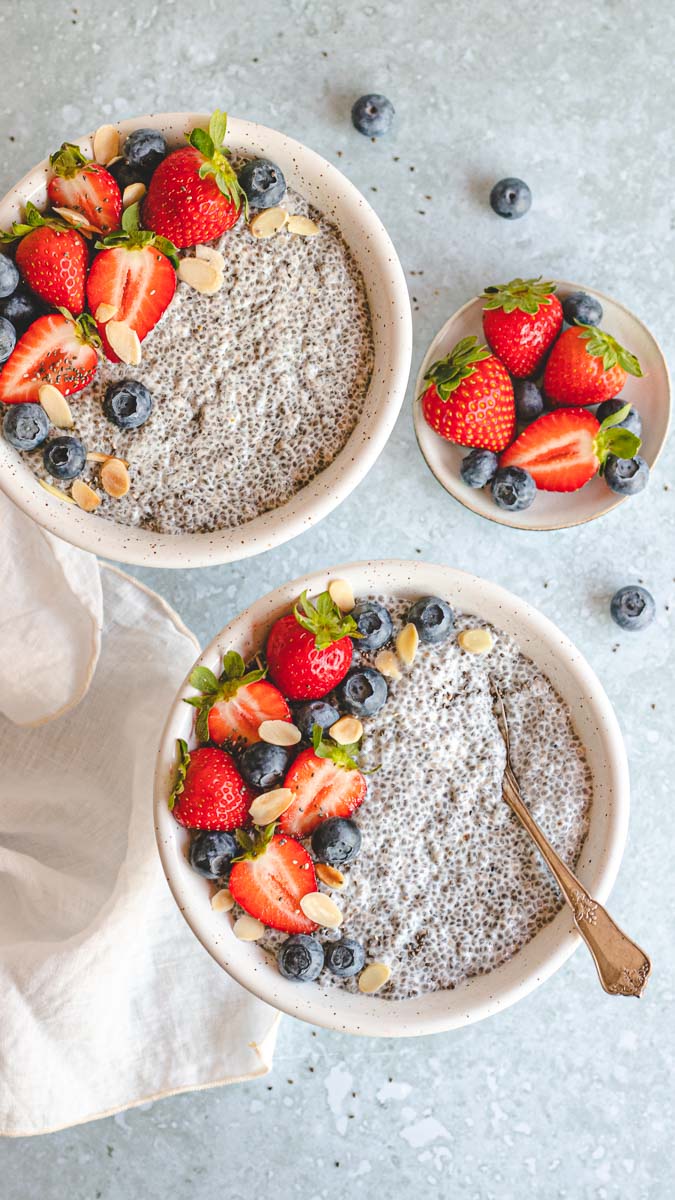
[(552, 510)]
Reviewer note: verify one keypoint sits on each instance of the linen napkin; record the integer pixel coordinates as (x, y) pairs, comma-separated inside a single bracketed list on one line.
[(108, 1000)]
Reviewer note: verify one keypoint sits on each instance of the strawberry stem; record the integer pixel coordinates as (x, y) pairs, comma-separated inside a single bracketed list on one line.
[(325, 620), (449, 372), (181, 771), (68, 160), (209, 143), (612, 438), (602, 345), (253, 845), (526, 295), (212, 690), (132, 237), (342, 756), (34, 220)]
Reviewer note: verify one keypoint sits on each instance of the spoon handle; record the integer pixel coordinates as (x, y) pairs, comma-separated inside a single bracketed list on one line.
[(623, 968)]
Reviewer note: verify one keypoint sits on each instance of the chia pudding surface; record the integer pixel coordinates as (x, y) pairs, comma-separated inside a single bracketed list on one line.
[(255, 389), (447, 884)]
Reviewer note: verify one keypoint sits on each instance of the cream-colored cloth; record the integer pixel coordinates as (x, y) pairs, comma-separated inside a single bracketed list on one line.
[(107, 998)]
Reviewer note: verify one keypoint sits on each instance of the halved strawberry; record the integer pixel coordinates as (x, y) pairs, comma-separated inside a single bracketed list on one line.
[(562, 450), (209, 792), (55, 349), (52, 258), (326, 782), (133, 276), (85, 187), (310, 651), (270, 879), (233, 707)]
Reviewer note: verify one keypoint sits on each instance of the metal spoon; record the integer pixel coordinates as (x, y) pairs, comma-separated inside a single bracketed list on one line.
[(623, 968)]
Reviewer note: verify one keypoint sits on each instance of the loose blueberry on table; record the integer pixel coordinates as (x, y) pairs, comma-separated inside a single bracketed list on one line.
[(373, 115)]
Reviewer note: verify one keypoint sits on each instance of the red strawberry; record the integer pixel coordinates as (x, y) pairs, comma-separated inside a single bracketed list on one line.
[(54, 349), (521, 319), (85, 187), (209, 792), (233, 707), (587, 366), (52, 258), (562, 450), (270, 881), (325, 782), (470, 398), (310, 650), (194, 195), (134, 274)]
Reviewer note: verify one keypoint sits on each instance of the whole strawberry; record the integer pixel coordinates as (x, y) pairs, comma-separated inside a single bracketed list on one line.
[(587, 366), (521, 319), (469, 399), (310, 651), (52, 258), (85, 187), (194, 195), (209, 792)]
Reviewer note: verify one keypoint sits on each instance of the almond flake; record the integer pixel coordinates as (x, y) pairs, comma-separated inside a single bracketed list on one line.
[(106, 143), (271, 805), (74, 218), (56, 406), (340, 592), (132, 193), (346, 731), (407, 642), (330, 876), (124, 341), (268, 222), (475, 641), (54, 491), (320, 908), (222, 901), (98, 457), (279, 733), (115, 478), (85, 496), (201, 275), (387, 664), (210, 255), (104, 313), (248, 929), (373, 977), (302, 226)]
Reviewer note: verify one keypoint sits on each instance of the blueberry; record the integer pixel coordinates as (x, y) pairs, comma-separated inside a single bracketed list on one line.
[(344, 958), (336, 841), (7, 339), (633, 607), (127, 403), (21, 308), (632, 421), (433, 618), (626, 476), (372, 115), (374, 623), (513, 488), (64, 457), (264, 766), (9, 276), (143, 151), (25, 426), (263, 183), (314, 712), (363, 691), (123, 174), (212, 851), (529, 400), (478, 467), (582, 308), (300, 957), (511, 198)]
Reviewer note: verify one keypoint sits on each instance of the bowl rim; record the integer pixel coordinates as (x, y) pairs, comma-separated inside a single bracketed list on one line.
[(144, 547), (419, 424), (386, 1018)]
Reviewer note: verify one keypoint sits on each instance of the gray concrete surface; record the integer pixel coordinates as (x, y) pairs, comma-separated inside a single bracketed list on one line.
[(570, 1093)]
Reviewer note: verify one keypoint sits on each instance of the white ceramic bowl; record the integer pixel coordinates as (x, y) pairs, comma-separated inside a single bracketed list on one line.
[(650, 395), (325, 187), (484, 995)]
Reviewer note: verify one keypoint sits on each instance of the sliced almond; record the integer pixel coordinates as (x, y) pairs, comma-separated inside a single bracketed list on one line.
[(248, 929), (72, 217), (104, 313), (268, 222), (475, 641), (271, 805), (106, 143), (211, 255), (85, 496), (330, 876), (387, 664), (302, 226), (132, 193), (124, 341), (346, 731), (98, 457), (340, 592), (115, 478), (407, 642), (320, 908), (373, 977), (56, 406), (279, 733), (222, 901), (200, 275), (54, 491)]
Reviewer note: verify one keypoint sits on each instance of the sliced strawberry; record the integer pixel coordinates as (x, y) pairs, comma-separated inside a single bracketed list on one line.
[(52, 258), (310, 651), (54, 349), (85, 187), (233, 707), (325, 782), (209, 792), (562, 450), (270, 881)]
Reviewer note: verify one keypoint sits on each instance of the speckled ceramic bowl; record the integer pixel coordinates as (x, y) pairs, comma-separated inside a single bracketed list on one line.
[(594, 721), (325, 187)]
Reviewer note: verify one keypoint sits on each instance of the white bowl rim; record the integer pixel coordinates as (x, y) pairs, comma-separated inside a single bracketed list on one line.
[(378, 1017)]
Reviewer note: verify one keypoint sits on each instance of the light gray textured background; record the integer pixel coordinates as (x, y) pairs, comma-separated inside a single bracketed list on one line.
[(569, 1094)]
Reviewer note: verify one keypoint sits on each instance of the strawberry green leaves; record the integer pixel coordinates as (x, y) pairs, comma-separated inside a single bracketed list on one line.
[(449, 372), (209, 143), (181, 771), (213, 689), (602, 345), (33, 220), (68, 160), (611, 438), (526, 295), (85, 327), (132, 237), (342, 756), (324, 619), (254, 844)]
